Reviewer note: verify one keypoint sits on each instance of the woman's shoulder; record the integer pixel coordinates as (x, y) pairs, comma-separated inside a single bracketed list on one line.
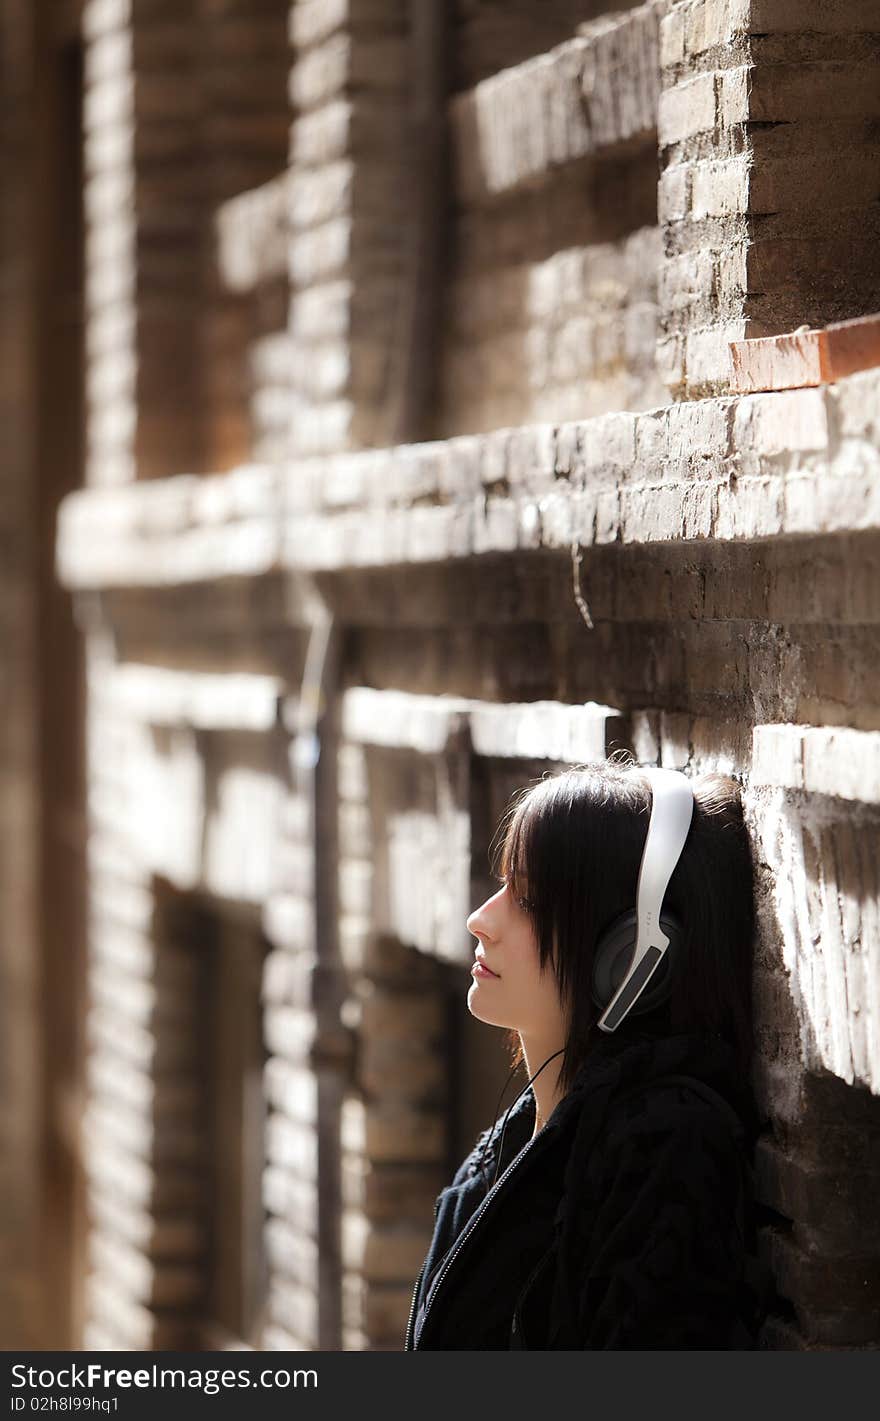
[(676, 1138), (675, 1102), (647, 1086)]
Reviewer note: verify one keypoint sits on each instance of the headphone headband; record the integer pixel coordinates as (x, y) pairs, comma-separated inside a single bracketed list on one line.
[(672, 805)]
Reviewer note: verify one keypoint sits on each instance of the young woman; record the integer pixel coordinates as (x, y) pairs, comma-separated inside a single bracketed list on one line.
[(613, 1208)]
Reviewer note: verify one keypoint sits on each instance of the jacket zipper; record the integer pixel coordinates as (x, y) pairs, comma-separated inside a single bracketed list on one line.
[(418, 1283), (469, 1228), (412, 1307)]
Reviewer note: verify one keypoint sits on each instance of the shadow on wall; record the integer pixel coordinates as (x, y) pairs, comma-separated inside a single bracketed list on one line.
[(817, 1179)]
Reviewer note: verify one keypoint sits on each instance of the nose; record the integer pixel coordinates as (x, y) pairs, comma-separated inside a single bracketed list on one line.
[(473, 923), (478, 923)]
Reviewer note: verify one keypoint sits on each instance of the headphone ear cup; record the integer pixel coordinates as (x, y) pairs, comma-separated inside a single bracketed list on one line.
[(614, 950), (613, 955)]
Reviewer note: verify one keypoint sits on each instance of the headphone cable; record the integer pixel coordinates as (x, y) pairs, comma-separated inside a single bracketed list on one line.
[(509, 1108)]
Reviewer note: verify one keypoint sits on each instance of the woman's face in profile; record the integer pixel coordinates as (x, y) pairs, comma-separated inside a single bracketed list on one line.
[(519, 995)]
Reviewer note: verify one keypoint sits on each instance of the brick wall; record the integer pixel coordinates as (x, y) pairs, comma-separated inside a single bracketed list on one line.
[(394, 1123), (350, 160), (174, 1136), (243, 60), (175, 124), (728, 548), (494, 34), (766, 131), (552, 295)]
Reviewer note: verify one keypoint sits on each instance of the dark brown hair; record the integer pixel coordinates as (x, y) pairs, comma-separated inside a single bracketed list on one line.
[(570, 847)]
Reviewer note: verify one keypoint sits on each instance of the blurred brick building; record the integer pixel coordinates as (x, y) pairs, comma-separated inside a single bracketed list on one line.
[(369, 446)]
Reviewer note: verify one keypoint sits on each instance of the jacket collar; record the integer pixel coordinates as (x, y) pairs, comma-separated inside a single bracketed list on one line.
[(616, 1063)]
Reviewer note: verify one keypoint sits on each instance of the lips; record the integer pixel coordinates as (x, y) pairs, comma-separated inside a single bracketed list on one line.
[(480, 969)]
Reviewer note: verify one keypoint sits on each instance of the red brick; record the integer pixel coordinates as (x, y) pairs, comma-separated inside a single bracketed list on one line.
[(811, 357)]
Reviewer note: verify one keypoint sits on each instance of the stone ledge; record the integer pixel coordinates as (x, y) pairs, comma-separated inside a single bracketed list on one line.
[(238, 701), (754, 467), (831, 760), (589, 94), (828, 760), (538, 730)]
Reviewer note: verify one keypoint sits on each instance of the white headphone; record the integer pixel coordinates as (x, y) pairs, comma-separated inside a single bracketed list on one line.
[(626, 961)]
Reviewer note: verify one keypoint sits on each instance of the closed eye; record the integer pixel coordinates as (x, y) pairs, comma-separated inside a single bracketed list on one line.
[(525, 904)]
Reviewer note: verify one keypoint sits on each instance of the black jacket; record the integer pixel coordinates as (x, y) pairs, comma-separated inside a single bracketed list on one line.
[(626, 1223)]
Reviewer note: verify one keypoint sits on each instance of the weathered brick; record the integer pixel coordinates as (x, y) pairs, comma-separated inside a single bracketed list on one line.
[(292, 1145), (610, 446), (532, 116), (734, 96), (319, 195), (321, 74), (673, 193), (323, 135), (777, 755), (672, 31), (102, 15), (776, 423), (670, 360), (311, 21), (706, 355), (686, 109), (685, 279), (291, 1253), (321, 253), (714, 22), (295, 1199), (720, 189), (732, 274), (295, 1311), (842, 762), (808, 357), (698, 431)]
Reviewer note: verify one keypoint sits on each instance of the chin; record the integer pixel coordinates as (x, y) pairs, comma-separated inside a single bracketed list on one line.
[(474, 1007)]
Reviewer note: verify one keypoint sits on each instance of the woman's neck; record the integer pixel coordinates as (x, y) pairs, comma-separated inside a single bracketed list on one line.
[(545, 1087)]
